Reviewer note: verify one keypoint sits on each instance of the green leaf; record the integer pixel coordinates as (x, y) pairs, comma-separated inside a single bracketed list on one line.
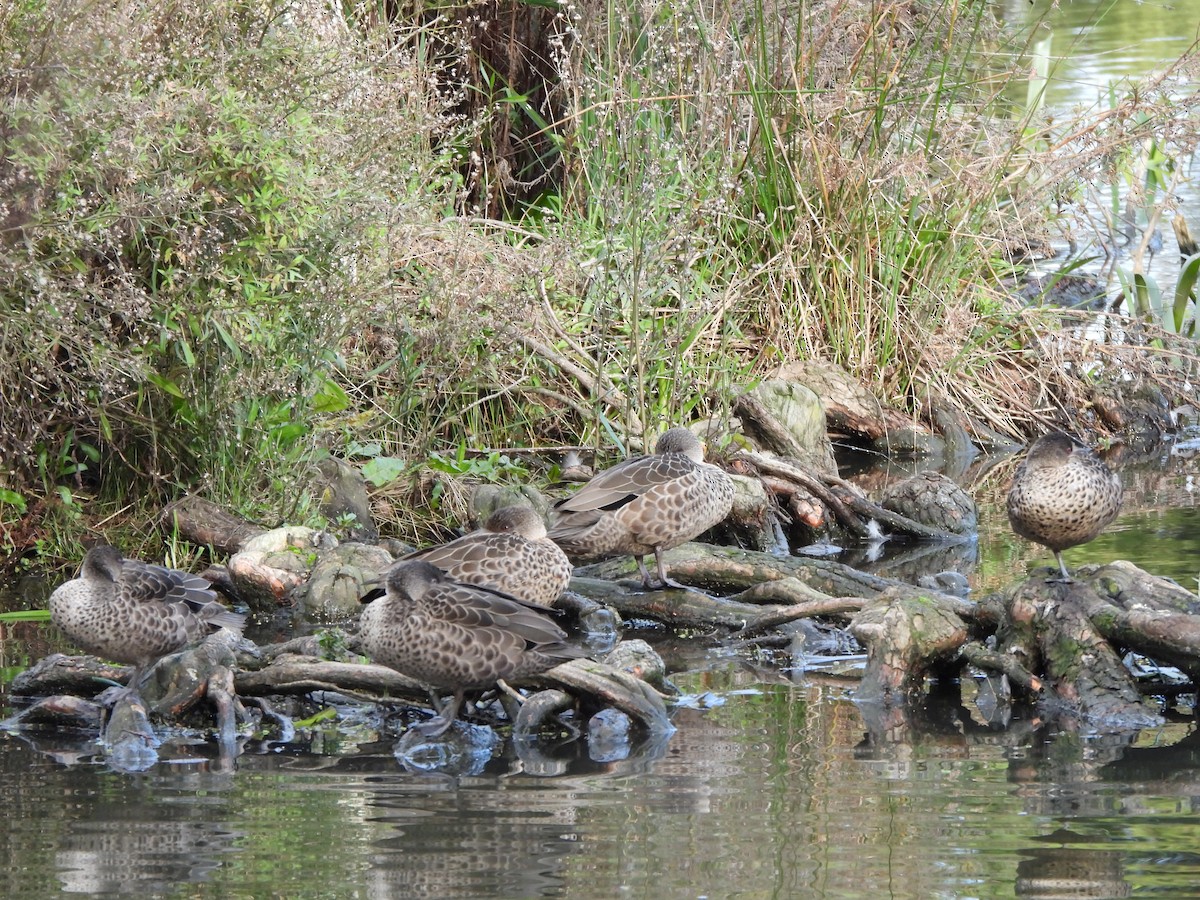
[(165, 385), (331, 398), (12, 498), (1185, 288), (289, 433), (26, 615), (227, 339), (383, 470), (324, 715)]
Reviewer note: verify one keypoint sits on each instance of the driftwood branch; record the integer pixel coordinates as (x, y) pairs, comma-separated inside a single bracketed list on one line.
[(784, 473), (847, 503), (1004, 663), (207, 525)]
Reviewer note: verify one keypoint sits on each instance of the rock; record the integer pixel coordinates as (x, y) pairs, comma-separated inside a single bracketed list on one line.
[(487, 498), (270, 566), (849, 406), (948, 582), (61, 711), (337, 581), (599, 624), (910, 439), (463, 750), (1073, 290), (343, 493), (935, 500), (787, 418), (609, 735), (640, 660)]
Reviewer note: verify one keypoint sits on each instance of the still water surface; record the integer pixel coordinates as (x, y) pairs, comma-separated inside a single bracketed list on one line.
[(1099, 50)]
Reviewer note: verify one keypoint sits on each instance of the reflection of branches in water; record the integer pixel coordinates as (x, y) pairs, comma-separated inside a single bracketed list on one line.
[(908, 562), (452, 838)]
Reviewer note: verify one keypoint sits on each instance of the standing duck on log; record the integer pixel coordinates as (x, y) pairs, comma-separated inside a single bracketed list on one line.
[(134, 612), (645, 505), (456, 637), (1062, 495)]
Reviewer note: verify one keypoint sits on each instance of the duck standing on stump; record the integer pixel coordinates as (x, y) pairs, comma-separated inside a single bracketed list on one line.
[(645, 505), (511, 553), (135, 613), (456, 637), (1062, 495)]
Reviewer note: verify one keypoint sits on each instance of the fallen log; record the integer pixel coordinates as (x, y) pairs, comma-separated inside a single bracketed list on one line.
[(207, 525), (291, 674), (730, 568)]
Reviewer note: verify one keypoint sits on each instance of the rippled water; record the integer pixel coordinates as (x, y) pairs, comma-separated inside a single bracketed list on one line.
[(777, 791), (775, 784), (1099, 49)]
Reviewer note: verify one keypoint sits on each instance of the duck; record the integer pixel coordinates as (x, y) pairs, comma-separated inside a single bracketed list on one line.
[(646, 504), (1062, 495), (510, 553), (456, 637), (134, 612)]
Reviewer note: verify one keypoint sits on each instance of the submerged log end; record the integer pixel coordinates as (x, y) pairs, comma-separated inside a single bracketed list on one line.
[(906, 635)]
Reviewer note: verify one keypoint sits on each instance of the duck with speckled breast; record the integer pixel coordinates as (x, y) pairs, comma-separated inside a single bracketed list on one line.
[(456, 637), (1062, 495), (134, 612), (646, 504)]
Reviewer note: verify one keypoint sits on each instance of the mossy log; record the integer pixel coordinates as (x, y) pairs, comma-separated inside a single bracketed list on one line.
[(733, 569), (1076, 633), (907, 634)]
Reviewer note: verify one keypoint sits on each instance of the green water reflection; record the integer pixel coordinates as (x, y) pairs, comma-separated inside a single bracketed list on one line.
[(1095, 44), (778, 791)]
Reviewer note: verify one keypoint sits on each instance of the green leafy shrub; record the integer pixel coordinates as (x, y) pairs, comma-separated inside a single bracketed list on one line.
[(200, 195)]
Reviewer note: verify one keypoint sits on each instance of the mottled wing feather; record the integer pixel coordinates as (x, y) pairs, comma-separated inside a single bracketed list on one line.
[(623, 483), (472, 549), (480, 607)]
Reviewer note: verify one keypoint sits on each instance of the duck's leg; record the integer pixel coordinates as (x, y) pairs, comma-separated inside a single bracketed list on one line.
[(647, 581), (133, 687), (435, 701), (441, 723), (663, 580), (1062, 567)]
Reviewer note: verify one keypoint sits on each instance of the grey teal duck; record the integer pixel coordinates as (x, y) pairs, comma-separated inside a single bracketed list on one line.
[(510, 553), (646, 504), (134, 612), (457, 637), (1062, 495)]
